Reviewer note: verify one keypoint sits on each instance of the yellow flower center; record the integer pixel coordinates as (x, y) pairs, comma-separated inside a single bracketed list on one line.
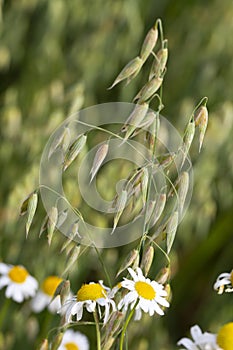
[(18, 274), (50, 285), (232, 278), (225, 337), (91, 291), (145, 290), (71, 346)]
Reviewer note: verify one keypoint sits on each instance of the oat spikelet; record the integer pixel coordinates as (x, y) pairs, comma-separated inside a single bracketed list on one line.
[(98, 160), (132, 68), (74, 150), (149, 42), (148, 90), (31, 209), (201, 121)]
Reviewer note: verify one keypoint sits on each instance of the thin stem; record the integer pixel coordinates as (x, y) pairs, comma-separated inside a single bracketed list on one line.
[(4, 311), (125, 327), (104, 267), (98, 337)]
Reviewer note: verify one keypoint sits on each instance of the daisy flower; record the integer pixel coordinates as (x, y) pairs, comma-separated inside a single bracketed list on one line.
[(224, 280), (90, 296), (44, 296), (146, 293), (201, 341), (225, 337), (20, 284), (74, 341)]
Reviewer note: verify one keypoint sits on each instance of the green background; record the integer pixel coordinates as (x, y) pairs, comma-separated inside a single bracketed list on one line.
[(57, 56)]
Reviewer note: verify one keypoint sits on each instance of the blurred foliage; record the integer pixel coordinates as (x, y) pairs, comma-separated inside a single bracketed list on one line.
[(58, 56)]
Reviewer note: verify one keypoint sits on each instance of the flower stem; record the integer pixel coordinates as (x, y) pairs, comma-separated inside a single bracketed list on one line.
[(98, 338), (4, 310), (125, 327)]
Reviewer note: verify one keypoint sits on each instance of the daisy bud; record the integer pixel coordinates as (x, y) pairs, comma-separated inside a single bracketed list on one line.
[(52, 220), (44, 345), (98, 160), (147, 259), (201, 120), (159, 63), (74, 150), (171, 230), (149, 43), (31, 209), (128, 261), (132, 68), (148, 90)]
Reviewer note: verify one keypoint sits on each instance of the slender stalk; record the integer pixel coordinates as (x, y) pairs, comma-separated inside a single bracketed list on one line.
[(98, 337), (125, 327), (4, 310)]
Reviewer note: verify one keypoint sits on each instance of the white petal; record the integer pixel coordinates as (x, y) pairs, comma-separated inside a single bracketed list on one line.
[(162, 301), (144, 304), (196, 333), (39, 302), (55, 305), (15, 293), (4, 268), (138, 314), (4, 281), (90, 306), (157, 309), (187, 343), (133, 274)]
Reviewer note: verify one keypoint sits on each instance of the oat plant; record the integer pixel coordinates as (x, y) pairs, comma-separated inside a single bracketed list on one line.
[(116, 302)]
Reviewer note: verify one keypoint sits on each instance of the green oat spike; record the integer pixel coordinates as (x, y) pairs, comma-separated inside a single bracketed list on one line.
[(135, 118), (43, 225), (159, 63), (31, 209), (57, 341), (171, 230), (150, 210), (98, 160), (147, 259), (158, 209), (58, 290), (120, 206), (128, 261), (57, 142), (66, 139), (148, 90), (74, 232), (74, 150), (149, 42), (65, 291), (44, 345), (201, 120), (188, 138), (144, 184), (182, 189), (71, 258), (51, 225), (131, 69)]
